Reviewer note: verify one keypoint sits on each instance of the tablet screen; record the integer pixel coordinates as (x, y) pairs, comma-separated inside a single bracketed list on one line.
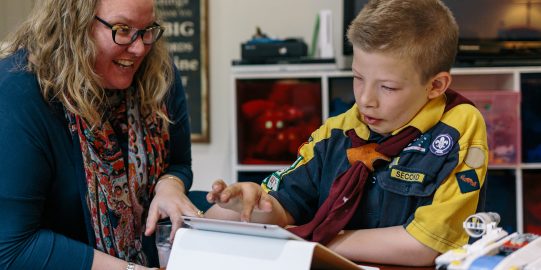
[(237, 227)]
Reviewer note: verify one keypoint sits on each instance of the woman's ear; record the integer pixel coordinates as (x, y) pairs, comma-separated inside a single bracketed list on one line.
[(439, 84)]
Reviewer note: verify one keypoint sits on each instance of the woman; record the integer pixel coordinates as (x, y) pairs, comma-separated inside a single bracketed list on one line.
[(94, 137)]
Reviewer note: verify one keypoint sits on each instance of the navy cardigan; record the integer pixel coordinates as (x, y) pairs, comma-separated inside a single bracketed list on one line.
[(44, 221)]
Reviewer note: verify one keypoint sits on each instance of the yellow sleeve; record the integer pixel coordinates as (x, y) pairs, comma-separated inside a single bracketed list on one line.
[(439, 225)]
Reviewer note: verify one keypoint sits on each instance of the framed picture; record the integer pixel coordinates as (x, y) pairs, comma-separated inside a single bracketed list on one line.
[(186, 24)]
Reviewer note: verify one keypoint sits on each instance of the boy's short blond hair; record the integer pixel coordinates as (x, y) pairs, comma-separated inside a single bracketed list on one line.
[(424, 31)]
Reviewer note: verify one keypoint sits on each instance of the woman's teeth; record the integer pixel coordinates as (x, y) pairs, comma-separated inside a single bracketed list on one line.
[(124, 63)]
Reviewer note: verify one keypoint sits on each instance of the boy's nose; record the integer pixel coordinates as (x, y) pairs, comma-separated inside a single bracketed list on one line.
[(368, 97)]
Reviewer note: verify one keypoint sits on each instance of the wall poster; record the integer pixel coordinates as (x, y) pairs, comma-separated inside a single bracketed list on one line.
[(185, 23)]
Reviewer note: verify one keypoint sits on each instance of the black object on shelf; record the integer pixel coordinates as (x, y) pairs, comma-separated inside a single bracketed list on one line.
[(532, 201), (263, 49), (531, 117), (501, 197)]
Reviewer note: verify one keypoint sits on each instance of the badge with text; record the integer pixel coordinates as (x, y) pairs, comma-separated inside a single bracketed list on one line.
[(407, 176), (467, 181)]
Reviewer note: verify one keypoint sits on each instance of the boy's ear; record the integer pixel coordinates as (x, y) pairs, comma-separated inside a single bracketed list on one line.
[(439, 84)]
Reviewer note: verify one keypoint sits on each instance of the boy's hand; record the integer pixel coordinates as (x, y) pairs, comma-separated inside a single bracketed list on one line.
[(243, 198)]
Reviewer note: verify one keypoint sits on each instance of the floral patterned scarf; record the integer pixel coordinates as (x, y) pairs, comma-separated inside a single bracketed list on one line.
[(118, 194)]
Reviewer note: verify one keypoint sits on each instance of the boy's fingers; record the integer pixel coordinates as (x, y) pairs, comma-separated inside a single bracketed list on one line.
[(248, 205), (217, 188), (211, 197), (219, 185), (231, 192), (265, 204)]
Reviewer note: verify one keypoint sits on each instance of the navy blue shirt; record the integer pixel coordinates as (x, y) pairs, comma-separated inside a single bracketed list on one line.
[(429, 188), (43, 213)]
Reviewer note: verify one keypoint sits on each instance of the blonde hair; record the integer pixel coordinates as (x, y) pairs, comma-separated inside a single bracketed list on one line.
[(423, 31), (61, 52)]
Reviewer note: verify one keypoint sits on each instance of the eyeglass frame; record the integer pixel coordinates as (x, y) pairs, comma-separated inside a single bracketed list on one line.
[(139, 32)]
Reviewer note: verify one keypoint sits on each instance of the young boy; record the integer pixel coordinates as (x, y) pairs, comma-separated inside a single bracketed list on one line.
[(392, 179)]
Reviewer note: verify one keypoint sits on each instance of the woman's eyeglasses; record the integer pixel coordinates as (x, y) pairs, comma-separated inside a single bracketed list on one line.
[(125, 35)]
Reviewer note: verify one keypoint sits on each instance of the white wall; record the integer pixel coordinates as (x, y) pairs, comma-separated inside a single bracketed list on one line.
[(231, 22), (12, 13)]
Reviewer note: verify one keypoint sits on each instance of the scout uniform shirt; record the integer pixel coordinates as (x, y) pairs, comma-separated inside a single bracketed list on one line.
[(430, 188)]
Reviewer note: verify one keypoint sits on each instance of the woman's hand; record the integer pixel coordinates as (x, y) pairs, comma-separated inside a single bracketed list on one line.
[(170, 200), (243, 198)]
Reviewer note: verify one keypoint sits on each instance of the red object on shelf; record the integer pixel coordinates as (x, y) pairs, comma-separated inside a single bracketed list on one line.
[(275, 117), (532, 202), (502, 117)]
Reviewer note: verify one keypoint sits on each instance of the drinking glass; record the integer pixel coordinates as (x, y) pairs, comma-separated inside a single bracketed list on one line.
[(163, 242)]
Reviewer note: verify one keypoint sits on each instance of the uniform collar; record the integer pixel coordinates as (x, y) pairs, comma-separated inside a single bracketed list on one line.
[(428, 116)]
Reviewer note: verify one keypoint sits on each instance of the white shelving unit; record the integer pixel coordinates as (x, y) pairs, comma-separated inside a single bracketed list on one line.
[(466, 79)]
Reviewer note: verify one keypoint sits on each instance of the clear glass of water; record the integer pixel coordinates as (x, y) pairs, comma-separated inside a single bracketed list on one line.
[(163, 242)]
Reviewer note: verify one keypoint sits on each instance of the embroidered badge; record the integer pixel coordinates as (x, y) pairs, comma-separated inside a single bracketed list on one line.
[(467, 181), (475, 157), (407, 176), (272, 182), (441, 145), (419, 145)]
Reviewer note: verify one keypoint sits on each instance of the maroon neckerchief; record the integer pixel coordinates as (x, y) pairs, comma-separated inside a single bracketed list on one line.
[(346, 191)]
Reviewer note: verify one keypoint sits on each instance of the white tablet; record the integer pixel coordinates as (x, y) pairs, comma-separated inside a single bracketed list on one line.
[(245, 228)]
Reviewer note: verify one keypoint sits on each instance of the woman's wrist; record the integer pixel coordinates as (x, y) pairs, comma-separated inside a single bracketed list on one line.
[(170, 178)]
